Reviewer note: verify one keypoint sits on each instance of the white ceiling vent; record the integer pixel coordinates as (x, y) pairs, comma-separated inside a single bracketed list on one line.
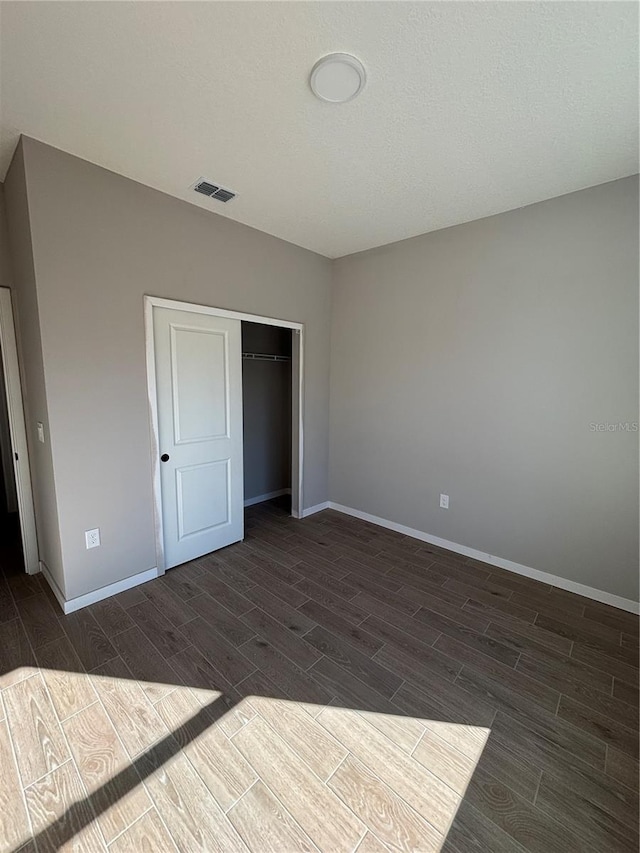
[(208, 188)]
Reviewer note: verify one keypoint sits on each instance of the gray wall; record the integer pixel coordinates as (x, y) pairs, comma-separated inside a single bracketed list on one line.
[(27, 316), (472, 361), (100, 242), (266, 402)]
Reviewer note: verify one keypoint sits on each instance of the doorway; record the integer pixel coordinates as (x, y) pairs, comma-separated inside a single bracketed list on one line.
[(17, 524), (195, 387)]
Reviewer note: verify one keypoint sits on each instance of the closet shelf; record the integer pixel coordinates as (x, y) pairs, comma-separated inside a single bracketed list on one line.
[(259, 356)]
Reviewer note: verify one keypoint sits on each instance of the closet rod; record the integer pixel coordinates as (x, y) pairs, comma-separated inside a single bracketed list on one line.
[(259, 356)]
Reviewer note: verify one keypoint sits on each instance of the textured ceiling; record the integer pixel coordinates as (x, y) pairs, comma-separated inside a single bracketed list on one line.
[(470, 109)]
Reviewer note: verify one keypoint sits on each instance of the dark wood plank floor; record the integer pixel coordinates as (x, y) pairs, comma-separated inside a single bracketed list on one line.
[(324, 685)]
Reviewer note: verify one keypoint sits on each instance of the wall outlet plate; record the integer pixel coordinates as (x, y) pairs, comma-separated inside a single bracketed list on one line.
[(444, 501), (92, 538), (40, 430)]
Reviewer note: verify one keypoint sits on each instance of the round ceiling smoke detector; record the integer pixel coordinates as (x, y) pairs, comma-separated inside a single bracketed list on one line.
[(337, 78)]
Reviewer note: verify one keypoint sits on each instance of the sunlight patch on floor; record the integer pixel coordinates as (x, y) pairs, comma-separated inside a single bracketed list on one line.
[(247, 771)]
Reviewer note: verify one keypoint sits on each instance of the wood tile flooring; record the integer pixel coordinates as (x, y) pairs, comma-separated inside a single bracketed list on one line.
[(324, 685)]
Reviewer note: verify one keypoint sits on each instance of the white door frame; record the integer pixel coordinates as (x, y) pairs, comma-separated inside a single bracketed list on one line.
[(18, 432), (297, 401)]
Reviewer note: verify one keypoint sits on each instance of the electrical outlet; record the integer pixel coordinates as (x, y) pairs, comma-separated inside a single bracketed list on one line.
[(40, 430), (92, 538), (444, 501)]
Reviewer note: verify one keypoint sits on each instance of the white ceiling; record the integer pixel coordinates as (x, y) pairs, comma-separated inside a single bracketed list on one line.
[(470, 109)]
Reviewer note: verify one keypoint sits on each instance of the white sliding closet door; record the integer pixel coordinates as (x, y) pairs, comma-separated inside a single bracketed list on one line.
[(198, 361)]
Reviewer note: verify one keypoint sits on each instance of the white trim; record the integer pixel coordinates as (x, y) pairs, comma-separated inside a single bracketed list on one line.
[(18, 431), (98, 594), (297, 402), (554, 580), (195, 308), (269, 496), (54, 586), (312, 510)]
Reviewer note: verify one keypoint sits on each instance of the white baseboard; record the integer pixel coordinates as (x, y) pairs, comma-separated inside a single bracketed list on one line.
[(313, 509), (262, 498), (81, 601), (55, 589), (554, 580)]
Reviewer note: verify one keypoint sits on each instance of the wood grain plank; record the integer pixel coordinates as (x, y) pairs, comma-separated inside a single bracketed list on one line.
[(526, 639), (62, 818), (197, 822), (281, 638), (111, 616), (348, 690), (287, 593), (169, 604), (394, 822), (513, 679), (588, 695), (598, 829), (69, 686), (623, 768), (620, 620), (356, 636), (223, 620), (449, 696), (423, 791), (301, 732), (445, 762), (548, 742), (608, 730), (134, 717), (502, 763), (627, 694), (146, 664), (147, 835), (331, 581), (37, 737), (469, 636), (265, 825), (293, 619), (417, 642), (556, 670), (349, 610), (88, 639), (39, 620), (404, 732), (8, 609), (195, 670), (596, 659), (605, 640), (14, 822), (519, 819), (359, 665), (214, 757), (305, 797), (224, 656), (116, 792), (291, 681), (472, 832), (165, 637), (224, 594), (17, 661)]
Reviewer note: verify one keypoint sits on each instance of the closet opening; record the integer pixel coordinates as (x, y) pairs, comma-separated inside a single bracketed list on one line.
[(267, 413)]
